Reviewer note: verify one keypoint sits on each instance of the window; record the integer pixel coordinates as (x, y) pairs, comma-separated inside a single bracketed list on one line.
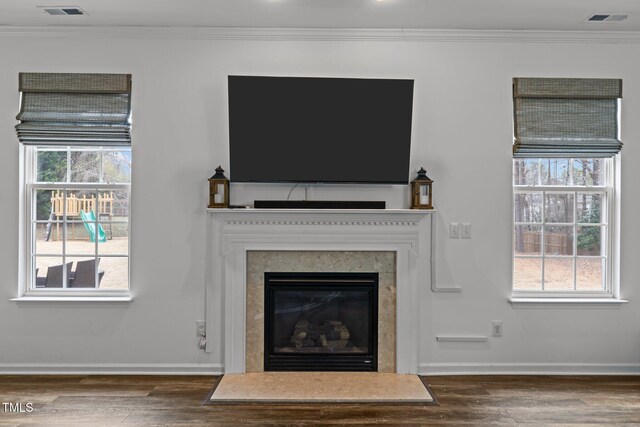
[(566, 142), (78, 203), (75, 135), (562, 230)]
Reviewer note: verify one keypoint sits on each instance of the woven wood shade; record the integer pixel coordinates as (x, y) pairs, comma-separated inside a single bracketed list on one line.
[(74, 109), (566, 117)]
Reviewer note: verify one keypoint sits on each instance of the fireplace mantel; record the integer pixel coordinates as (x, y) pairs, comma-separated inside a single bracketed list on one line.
[(233, 232)]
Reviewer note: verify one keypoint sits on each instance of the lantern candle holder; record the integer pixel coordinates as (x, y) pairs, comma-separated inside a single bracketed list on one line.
[(421, 191), (218, 190)]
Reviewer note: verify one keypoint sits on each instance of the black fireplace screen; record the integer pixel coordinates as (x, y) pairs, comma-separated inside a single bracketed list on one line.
[(321, 321)]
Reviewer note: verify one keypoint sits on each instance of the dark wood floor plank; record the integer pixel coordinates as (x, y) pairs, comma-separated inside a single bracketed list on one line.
[(621, 401), (121, 402), (463, 400), (511, 402), (585, 415)]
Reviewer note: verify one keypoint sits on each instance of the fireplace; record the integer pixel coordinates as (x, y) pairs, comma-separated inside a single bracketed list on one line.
[(243, 244), (321, 321)]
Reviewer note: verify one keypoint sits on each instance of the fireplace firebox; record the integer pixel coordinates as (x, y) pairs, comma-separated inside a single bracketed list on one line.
[(321, 322)]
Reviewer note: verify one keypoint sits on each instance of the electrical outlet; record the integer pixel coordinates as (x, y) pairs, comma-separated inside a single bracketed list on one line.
[(202, 343), (465, 233), (496, 328), (454, 230), (200, 328)]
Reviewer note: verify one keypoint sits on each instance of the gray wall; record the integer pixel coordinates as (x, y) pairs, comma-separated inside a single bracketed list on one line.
[(462, 135)]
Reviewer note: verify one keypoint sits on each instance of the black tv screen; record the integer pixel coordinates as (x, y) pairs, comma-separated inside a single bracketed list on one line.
[(327, 130)]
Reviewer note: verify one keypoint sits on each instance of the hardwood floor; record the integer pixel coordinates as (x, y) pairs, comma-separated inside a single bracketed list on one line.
[(172, 400)]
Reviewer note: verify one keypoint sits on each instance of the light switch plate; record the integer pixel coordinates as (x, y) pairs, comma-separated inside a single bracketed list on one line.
[(454, 230), (465, 233)]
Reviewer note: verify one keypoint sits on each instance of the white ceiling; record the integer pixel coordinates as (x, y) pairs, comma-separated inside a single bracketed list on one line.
[(370, 14)]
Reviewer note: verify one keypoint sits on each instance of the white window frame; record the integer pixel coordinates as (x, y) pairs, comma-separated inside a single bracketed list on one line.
[(28, 185), (610, 190)]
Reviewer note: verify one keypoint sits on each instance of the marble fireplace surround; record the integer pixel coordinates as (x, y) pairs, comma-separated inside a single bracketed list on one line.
[(236, 235), (383, 263)]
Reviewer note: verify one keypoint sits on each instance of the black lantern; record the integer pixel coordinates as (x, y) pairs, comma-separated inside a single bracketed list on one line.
[(421, 192), (219, 190)]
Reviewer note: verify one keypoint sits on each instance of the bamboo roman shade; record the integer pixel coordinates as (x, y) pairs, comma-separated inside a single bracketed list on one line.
[(566, 117), (74, 109)]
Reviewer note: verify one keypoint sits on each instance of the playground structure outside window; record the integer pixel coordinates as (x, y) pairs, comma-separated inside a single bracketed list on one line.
[(76, 221)]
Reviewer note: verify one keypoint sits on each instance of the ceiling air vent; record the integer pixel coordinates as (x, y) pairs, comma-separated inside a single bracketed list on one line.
[(607, 17), (63, 10)]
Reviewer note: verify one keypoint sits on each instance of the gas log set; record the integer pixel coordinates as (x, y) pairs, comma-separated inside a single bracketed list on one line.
[(329, 334)]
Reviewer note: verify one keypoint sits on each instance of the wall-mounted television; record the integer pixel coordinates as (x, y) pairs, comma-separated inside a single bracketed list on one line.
[(319, 130)]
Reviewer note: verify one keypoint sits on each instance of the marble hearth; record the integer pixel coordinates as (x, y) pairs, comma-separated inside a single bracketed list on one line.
[(242, 244)]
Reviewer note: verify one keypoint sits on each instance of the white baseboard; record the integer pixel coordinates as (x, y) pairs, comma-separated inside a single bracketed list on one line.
[(110, 369), (429, 369), (433, 369)]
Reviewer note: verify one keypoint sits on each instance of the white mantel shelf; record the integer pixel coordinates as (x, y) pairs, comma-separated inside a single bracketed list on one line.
[(397, 213), (231, 233)]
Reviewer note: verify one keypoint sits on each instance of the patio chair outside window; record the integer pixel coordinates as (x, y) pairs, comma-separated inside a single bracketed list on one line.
[(85, 274)]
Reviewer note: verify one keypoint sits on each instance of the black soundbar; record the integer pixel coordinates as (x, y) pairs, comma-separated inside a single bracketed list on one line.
[(319, 204)]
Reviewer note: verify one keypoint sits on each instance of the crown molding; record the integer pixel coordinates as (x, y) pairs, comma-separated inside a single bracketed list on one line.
[(322, 34)]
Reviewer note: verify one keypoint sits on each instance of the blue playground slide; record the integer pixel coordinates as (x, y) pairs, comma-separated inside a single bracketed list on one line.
[(89, 220)]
